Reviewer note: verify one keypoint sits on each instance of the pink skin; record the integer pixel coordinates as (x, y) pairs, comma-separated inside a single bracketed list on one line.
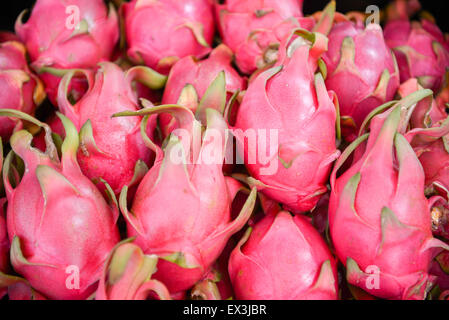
[(4, 244), (283, 258), (200, 74), (161, 32), (421, 51), (127, 276), (119, 144), (254, 29), (19, 88), (393, 228), (22, 291), (361, 70), (57, 218), (430, 147), (4, 241), (188, 234), (304, 115), (440, 268), (52, 44)]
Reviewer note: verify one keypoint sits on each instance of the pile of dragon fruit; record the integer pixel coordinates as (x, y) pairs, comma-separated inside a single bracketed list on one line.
[(216, 150)]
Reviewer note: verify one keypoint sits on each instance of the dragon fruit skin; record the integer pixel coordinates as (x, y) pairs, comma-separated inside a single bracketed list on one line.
[(161, 32), (283, 257), (111, 147), (304, 115), (4, 241), (53, 43), (394, 227), (199, 74), (421, 50), (440, 268), (187, 238), (254, 29), (57, 219), (127, 275), (361, 70), (430, 145), (20, 88)]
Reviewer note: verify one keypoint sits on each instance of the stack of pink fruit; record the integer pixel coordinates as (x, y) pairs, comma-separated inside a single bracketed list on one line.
[(203, 149)]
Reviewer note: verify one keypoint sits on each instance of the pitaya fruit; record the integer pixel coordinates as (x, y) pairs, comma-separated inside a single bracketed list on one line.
[(68, 34), (421, 49), (440, 268), (291, 105), (20, 89), (199, 74), (159, 33), (127, 275), (361, 70), (429, 137), (4, 241), (18, 288), (187, 238), (254, 30), (111, 148), (216, 285), (283, 257), (393, 227), (60, 227)]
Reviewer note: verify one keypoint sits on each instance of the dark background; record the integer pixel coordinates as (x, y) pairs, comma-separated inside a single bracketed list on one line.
[(10, 9)]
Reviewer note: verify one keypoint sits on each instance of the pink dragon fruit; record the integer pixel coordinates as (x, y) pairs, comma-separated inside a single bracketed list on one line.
[(111, 148), (440, 268), (18, 288), (127, 275), (199, 74), (60, 227), (161, 32), (294, 168), (284, 257), (68, 34), (394, 227), (420, 47), (361, 70), (4, 241), (254, 30), (189, 234), (19, 88), (429, 137), (216, 285)]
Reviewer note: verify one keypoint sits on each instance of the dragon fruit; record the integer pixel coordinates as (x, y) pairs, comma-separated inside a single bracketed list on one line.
[(440, 268), (254, 30), (294, 168), (394, 227), (284, 257), (199, 74), (159, 33), (430, 131), (127, 275), (111, 149), (20, 89), (187, 238), (18, 288), (4, 241), (361, 70), (421, 49), (68, 34), (60, 227)]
